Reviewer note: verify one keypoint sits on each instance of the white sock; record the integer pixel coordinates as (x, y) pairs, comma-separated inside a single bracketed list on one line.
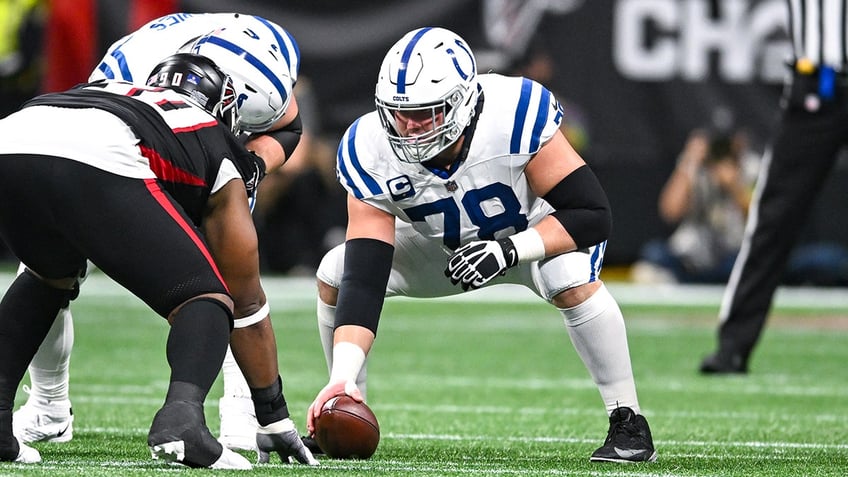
[(234, 383), (49, 369), (326, 319), (597, 331)]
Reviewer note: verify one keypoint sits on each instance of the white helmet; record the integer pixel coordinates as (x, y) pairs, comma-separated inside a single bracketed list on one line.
[(259, 60), (428, 69)]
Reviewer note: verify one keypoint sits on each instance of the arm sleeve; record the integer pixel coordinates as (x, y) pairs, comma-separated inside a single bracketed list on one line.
[(582, 207), (288, 136), (367, 265)]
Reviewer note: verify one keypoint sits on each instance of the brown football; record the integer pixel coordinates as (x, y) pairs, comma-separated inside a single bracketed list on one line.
[(347, 429)]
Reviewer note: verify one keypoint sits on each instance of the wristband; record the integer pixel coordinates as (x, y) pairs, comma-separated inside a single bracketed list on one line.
[(249, 320), (529, 245), (348, 360)]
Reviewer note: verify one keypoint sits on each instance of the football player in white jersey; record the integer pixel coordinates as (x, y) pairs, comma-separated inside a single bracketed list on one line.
[(457, 181), (263, 60)]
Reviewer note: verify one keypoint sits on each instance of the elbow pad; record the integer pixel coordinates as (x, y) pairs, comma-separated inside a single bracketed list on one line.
[(288, 136), (367, 265), (582, 207)]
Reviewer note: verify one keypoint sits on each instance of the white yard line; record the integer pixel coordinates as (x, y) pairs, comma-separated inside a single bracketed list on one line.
[(302, 289)]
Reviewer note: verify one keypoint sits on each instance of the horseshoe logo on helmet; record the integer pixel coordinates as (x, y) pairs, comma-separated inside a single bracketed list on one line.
[(462, 74)]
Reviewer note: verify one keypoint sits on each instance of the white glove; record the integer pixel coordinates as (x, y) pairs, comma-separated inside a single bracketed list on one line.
[(282, 437), (475, 263)]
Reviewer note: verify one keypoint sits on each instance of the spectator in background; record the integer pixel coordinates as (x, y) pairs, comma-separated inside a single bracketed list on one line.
[(706, 199)]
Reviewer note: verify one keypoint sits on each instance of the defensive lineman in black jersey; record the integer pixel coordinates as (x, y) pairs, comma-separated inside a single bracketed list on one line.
[(150, 184)]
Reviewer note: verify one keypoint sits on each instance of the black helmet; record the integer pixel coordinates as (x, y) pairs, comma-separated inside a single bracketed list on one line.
[(198, 78)]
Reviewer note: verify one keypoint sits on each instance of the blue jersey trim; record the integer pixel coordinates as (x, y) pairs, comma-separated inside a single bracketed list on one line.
[(596, 261), (341, 172), (107, 72), (123, 66), (520, 116), (404, 60), (541, 118), (350, 147)]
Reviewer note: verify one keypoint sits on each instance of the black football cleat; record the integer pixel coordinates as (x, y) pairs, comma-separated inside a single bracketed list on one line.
[(628, 440), (179, 434), (724, 363)]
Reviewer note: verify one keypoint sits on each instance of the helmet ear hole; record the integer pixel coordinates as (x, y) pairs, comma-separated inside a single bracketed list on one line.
[(428, 68)]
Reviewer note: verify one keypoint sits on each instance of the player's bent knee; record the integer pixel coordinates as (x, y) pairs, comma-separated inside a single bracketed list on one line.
[(220, 299), (577, 295), (331, 268), (69, 287), (328, 294)]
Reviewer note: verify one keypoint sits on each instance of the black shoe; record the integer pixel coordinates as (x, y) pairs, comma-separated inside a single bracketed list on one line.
[(724, 363), (310, 444), (628, 440), (179, 434)]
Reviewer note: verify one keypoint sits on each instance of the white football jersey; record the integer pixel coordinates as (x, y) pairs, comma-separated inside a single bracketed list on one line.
[(484, 197), (134, 56)]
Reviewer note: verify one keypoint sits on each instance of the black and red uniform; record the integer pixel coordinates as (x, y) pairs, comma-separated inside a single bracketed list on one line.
[(117, 174)]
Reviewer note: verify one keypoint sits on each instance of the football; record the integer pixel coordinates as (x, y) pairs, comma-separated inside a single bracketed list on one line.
[(347, 429)]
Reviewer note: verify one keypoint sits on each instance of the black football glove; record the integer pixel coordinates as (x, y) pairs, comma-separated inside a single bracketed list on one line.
[(475, 263)]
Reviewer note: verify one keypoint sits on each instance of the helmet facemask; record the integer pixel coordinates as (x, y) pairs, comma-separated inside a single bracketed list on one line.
[(227, 109), (426, 145)]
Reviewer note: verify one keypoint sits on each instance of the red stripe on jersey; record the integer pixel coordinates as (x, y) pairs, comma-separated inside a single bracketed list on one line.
[(166, 204), (167, 171), (195, 127)]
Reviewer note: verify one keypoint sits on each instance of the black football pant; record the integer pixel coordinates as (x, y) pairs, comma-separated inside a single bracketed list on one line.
[(802, 156)]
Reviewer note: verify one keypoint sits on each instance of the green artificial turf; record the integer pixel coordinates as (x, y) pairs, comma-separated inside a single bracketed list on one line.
[(484, 387)]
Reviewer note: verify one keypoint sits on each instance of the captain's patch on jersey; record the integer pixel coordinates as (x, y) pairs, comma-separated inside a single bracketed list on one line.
[(400, 187)]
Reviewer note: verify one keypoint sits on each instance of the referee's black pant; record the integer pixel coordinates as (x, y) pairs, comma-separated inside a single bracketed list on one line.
[(800, 158)]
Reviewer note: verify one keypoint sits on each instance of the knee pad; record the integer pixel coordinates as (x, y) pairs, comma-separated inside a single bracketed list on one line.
[(332, 266)]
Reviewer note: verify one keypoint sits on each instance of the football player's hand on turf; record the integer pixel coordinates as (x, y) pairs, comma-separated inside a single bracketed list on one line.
[(475, 263), (333, 388), (282, 437)]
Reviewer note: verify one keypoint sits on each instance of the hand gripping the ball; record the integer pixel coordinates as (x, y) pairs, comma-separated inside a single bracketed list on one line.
[(332, 389), (476, 263), (282, 437)]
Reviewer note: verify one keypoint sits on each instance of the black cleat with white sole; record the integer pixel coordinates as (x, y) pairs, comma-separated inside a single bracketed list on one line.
[(628, 440), (179, 434)]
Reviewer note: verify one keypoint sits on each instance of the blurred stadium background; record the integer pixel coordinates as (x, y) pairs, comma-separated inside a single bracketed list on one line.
[(635, 77)]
